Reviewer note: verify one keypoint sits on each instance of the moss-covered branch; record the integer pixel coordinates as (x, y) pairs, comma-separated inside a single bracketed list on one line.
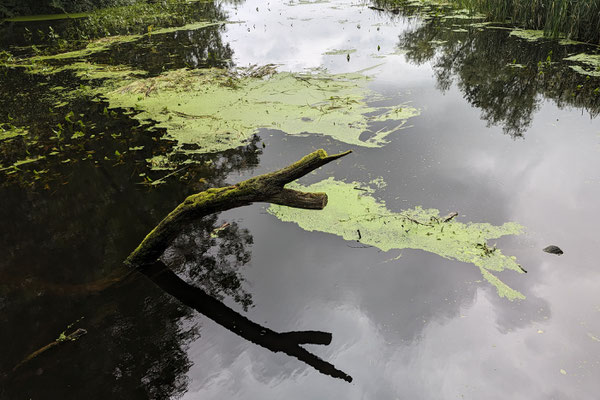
[(267, 188), (263, 188)]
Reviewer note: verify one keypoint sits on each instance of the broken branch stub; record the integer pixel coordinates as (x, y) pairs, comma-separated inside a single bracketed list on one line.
[(267, 188)]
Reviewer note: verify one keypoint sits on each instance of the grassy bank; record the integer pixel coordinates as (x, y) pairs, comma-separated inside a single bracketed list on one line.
[(575, 19)]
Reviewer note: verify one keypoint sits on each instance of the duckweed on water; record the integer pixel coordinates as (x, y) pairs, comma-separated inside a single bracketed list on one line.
[(350, 210), (15, 166), (531, 35), (339, 52), (528, 34), (215, 109), (580, 70), (9, 131), (589, 60)]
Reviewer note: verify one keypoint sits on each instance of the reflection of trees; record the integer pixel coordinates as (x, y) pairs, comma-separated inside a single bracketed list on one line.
[(66, 232), (211, 258), (286, 342), (108, 18), (269, 188), (483, 63), (26, 7), (506, 95), (198, 48), (74, 238)]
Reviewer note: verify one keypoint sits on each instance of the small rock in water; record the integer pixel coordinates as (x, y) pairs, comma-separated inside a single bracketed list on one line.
[(553, 250)]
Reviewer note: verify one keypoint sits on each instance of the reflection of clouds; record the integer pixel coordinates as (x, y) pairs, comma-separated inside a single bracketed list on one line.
[(349, 292), (422, 327), (299, 42), (447, 362), (419, 326)]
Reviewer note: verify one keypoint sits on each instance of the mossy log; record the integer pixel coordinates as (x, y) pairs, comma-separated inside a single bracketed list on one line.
[(264, 188), (267, 188)]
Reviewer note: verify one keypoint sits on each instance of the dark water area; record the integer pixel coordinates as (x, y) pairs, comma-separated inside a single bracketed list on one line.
[(507, 131)]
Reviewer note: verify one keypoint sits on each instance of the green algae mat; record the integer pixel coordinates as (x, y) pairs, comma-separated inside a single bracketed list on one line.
[(211, 110), (353, 213), (216, 109)]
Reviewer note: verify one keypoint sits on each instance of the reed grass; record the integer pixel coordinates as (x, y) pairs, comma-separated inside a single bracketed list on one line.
[(574, 19)]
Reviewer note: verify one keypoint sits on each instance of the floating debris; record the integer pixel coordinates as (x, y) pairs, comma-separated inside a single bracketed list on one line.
[(553, 250)]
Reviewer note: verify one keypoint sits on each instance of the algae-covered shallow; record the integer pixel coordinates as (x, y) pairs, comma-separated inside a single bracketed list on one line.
[(107, 122), (354, 214), (528, 34), (209, 110)]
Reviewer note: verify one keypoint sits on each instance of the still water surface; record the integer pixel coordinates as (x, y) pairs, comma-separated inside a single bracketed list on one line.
[(494, 142)]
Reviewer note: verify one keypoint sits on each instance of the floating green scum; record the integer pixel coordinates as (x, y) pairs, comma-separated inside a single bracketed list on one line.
[(350, 210), (217, 109)]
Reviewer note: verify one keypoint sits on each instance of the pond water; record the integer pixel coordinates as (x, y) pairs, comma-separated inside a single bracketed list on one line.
[(477, 120)]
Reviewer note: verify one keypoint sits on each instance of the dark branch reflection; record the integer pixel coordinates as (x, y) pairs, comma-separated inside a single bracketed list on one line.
[(286, 342)]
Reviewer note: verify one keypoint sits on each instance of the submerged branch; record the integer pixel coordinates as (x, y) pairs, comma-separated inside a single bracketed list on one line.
[(61, 339)]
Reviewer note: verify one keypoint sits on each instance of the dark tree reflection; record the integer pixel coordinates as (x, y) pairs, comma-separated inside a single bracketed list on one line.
[(200, 48), (68, 222), (505, 77), (64, 256), (210, 258)]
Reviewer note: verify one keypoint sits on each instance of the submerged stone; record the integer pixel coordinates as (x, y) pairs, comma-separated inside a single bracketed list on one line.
[(352, 209)]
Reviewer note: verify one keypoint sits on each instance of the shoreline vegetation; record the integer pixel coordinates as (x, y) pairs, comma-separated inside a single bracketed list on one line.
[(569, 19)]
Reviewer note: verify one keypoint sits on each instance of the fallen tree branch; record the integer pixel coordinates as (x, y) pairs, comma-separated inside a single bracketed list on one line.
[(263, 188), (267, 188), (450, 217)]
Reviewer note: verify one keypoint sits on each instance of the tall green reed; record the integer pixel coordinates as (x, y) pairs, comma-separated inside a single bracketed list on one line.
[(575, 19)]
